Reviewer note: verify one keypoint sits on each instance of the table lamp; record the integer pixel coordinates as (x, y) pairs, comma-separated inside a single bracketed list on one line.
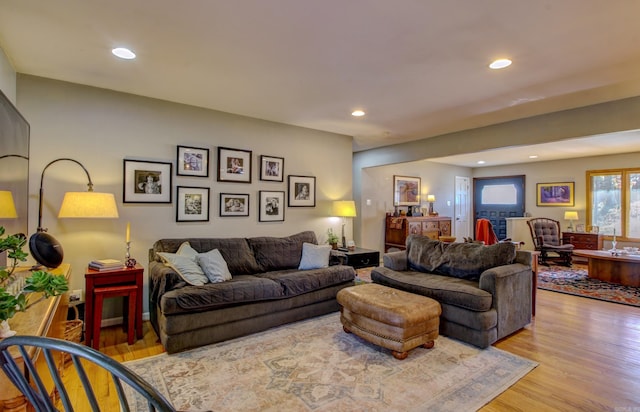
[(431, 199), (570, 215), (44, 248), (7, 205), (344, 209)]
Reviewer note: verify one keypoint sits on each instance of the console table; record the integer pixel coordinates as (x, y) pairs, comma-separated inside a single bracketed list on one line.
[(45, 318)]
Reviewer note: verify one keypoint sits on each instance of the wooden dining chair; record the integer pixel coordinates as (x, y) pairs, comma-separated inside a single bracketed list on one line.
[(29, 380)]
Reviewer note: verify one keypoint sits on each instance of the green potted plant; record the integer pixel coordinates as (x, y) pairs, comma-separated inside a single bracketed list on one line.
[(14, 290), (332, 238)]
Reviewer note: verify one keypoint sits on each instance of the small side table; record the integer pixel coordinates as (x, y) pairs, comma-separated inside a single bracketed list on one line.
[(358, 258), (111, 278)]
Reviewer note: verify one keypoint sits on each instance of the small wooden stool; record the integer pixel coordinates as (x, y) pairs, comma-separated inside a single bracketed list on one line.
[(391, 318), (130, 292)]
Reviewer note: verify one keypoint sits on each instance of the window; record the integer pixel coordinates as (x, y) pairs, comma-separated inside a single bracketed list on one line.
[(614, 202)]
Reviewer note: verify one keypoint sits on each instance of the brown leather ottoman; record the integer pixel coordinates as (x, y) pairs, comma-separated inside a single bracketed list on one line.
[(391, 318)]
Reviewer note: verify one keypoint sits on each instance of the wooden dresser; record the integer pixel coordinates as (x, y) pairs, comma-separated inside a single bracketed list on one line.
[(397, 229), (582, 240), (45, 318)]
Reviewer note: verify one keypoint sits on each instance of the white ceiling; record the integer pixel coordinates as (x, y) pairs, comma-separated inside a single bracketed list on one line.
[(417, 67)]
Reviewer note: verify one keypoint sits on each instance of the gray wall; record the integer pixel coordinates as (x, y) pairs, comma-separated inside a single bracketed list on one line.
[(100, 128)]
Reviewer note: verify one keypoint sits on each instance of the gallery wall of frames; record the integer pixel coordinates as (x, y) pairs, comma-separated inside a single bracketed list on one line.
[(149, 182)]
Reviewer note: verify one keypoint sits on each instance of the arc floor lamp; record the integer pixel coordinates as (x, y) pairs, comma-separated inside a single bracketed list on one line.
[(44, 248)]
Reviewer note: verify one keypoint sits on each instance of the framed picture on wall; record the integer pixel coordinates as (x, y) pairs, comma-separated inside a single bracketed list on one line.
[(146, 182), (234, 165), (192, 161), (234, 204), (302, 191), (555, 194), (406, 191), (272, 168), (192, 204), (271, 205)]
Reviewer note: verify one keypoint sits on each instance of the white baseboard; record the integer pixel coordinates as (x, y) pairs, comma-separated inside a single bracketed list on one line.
[(120, 320)]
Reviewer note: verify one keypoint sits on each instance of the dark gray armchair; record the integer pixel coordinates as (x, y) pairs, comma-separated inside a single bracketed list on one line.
[(547, 239)]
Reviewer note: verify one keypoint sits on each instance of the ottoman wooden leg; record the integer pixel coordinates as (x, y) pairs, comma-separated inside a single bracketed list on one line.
[(429, 345), (399, 355)]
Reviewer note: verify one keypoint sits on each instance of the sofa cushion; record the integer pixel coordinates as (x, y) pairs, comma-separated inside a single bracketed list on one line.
[(214, 266), (235, 251), (314, 256), (239, 290), (183, 262), (445, 289), (296, 282), (461, 260), (279, 253)]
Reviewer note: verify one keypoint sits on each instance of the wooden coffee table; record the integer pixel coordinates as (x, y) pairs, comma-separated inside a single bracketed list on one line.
[(603, 265)]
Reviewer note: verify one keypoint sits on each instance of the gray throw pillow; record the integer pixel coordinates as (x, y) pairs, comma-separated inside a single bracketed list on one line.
[(214, 266), (185, 265)]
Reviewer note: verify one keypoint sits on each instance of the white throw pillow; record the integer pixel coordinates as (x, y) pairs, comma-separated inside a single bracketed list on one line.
[(185, 265), (214, 266), (314, 256)]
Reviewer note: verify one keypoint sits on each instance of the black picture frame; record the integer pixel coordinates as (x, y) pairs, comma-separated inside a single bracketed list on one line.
[(234, 165), (192, 161), (192, 204), (272, 168), (271, 206), (234, 204), (302, 191), (146, 181)]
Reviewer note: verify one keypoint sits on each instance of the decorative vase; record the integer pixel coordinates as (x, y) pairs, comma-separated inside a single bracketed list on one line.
[(5, 329)]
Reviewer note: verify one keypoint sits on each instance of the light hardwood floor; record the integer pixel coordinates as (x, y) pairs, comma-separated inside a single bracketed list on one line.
[(588, 350)]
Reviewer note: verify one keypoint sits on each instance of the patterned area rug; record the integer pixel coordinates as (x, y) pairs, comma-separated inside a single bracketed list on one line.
[(574, 281), (314, 366)]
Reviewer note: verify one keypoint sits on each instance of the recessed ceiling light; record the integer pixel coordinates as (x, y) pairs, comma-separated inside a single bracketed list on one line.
[(481, 162), (357, 113), (500, 64), (123, 53), (533, 157)]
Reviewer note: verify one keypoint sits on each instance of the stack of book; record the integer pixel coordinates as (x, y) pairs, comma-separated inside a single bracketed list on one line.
[(106, 264)]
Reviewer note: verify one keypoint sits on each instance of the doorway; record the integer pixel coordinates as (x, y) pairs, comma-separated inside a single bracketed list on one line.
[(497, 198), (462, 208)]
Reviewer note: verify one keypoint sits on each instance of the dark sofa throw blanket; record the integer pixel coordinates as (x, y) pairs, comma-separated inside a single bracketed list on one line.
[(461, 260)]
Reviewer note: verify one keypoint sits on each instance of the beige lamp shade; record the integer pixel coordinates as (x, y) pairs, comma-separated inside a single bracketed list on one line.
[(88, 204), (7, 205), (431, 198), (570, 215), (344, 208)]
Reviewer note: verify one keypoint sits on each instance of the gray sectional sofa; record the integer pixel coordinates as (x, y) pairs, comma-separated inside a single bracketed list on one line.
[(484, 291), (266, 289)]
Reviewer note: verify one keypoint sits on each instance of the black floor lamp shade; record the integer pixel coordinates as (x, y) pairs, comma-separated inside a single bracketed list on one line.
[(46, 250)]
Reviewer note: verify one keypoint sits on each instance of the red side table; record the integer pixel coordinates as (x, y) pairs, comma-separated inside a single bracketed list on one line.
[(110, 278)]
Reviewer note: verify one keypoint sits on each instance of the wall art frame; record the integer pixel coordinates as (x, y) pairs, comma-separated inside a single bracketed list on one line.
[(406, 190), (192, 204), (234, 204), (271, 206), (146, 181), (557, 194), (234, 165), (272, 168), (302, 191), (192, 161)]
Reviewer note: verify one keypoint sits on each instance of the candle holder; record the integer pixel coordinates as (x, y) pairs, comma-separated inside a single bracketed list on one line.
[(128, 260)]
